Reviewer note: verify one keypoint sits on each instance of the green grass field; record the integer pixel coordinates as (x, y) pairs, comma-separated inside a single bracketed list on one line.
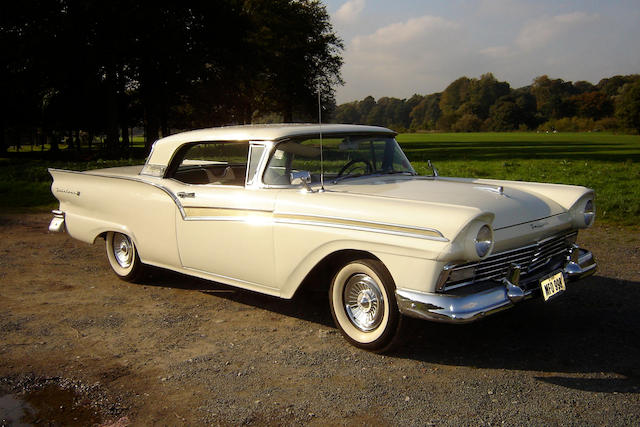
[(608, 163)]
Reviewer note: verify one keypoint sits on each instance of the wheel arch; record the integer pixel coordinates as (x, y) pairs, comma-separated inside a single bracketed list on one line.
[(319, 278)]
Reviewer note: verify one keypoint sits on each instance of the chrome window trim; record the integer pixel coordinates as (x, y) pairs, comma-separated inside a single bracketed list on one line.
[(256, 179)]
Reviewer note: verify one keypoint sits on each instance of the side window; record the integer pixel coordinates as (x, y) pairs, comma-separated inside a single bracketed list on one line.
[(217, 163)]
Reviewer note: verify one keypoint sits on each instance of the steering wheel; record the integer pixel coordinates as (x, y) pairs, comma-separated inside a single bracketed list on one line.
[(346, 168)]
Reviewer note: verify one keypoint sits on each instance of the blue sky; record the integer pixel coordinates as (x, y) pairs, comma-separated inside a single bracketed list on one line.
[(401, 47)]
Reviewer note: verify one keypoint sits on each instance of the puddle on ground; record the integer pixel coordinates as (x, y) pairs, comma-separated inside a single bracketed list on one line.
[(49, 405)]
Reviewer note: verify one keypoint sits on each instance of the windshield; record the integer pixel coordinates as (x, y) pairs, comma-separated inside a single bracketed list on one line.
[(344, 158)]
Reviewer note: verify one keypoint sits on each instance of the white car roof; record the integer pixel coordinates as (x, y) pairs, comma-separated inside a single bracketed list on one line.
[(164, 148)]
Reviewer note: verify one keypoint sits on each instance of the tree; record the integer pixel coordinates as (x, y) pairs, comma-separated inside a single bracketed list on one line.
[(628, 106), (551, 96), (426, 114), (455, 95), (467, 123), (101, 67), (505, 115), (484, 92), (595, 105)]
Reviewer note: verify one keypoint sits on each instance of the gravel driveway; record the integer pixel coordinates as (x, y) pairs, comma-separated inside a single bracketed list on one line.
[(178, 350)]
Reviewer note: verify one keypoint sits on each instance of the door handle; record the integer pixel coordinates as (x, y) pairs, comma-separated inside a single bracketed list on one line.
[(182, 194)]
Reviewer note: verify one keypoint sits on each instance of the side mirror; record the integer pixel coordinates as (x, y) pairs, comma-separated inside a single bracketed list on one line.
[(301, 177)]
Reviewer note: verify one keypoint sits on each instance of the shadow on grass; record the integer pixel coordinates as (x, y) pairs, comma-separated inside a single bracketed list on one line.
[(422, 151), (593, 329)]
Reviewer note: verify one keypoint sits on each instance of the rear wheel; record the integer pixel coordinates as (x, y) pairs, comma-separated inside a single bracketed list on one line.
[(123, 256), (363, 305)]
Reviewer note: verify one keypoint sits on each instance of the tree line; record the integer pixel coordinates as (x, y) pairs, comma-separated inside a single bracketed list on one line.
[(75, 69), (486, 104)]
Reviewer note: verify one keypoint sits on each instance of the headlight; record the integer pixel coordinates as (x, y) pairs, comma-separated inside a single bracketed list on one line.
[(583, 211), (478, 241), (484, 240), (589, 213)]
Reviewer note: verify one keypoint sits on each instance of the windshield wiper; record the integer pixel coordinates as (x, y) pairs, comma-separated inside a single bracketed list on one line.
[(340, 178), (392, 172)]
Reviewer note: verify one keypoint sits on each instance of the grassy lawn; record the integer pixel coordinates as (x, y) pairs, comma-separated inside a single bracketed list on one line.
[(608, 163)]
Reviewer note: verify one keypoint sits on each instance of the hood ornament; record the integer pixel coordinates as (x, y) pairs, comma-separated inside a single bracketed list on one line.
[(497, 190)]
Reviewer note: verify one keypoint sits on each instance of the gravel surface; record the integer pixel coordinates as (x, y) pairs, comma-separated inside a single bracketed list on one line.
[(178, 350)]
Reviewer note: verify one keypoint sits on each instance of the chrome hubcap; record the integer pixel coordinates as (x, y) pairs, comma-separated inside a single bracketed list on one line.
[(363, 302), (122, 250)]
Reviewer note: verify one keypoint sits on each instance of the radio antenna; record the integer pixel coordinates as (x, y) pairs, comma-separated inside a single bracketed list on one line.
[(320, 131)]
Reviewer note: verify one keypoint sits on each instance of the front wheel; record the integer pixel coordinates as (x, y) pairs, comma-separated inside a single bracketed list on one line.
[(363, 305), (123, 256)]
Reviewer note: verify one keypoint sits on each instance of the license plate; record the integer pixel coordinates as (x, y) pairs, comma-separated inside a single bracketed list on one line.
[(552, 285)]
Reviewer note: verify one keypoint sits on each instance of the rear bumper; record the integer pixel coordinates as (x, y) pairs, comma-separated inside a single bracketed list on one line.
[(468, 308), (57, 223)]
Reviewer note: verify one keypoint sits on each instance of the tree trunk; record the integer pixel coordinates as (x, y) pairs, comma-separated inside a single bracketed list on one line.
[(151, 127), (123, 104), (3, 141), (111, 101), (125, 130)]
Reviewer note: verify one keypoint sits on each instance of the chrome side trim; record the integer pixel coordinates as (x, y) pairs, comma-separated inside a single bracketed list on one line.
[(358, 228), (226, 214), (364, 225), (471, 307)]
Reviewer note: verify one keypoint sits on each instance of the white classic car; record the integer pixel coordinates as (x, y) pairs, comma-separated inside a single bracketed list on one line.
[(266, 207)]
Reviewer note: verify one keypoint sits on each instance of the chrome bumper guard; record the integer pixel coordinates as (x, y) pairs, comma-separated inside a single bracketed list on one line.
[(57, 223), (468, 308)]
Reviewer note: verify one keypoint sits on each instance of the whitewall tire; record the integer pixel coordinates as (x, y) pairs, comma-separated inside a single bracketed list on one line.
[(123, 256), (363, 305)]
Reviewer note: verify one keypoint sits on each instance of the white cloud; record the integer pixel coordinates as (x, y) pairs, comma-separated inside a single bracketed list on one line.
[(403, 57), (350, 11), (415, 29), (542, 31)]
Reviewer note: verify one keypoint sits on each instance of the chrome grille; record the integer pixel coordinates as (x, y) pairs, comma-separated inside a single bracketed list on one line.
[(530, 259)]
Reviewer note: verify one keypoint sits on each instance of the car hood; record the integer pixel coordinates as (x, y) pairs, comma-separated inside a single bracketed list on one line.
[(509, 204)]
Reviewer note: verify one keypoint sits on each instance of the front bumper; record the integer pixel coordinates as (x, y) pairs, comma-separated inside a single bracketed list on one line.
[(474, 306)]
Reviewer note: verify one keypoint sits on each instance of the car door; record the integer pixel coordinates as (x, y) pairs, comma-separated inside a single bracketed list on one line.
[(225, 228)]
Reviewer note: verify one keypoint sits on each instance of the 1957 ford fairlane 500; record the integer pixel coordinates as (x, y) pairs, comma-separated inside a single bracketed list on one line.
[(266, 207)]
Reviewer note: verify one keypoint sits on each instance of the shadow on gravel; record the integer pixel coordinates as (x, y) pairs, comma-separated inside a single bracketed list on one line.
[(309, 304), (593, 328)]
